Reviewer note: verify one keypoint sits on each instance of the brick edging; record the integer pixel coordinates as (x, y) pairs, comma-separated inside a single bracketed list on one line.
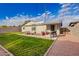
[(10, 54), (50, 47)]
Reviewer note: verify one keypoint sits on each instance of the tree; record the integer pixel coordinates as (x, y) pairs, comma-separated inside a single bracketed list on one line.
[(4, 26)]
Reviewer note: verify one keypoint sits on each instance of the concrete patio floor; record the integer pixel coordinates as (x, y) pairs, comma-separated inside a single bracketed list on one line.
[(67, 45)]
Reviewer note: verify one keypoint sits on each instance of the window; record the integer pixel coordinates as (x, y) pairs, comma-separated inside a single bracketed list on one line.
[(33, 28)]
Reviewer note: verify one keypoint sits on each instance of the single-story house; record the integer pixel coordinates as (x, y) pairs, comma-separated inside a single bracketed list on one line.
[(42, 28), (54, 27)]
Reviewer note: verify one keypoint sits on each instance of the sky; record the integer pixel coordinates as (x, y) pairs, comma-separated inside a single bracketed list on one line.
[(14, 14), (31, 9)]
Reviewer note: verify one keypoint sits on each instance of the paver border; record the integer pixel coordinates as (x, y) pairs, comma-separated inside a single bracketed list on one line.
[(10, 54), (50, 46)]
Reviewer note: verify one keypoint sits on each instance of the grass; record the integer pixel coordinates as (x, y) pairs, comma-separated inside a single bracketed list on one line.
[(23, 45)]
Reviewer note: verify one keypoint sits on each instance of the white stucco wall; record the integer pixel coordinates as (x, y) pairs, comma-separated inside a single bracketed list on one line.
[(57, 28), (39, 28), (26, 28)]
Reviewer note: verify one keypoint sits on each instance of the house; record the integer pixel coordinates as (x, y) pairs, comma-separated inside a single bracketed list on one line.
[(54, 27), (42, 28)]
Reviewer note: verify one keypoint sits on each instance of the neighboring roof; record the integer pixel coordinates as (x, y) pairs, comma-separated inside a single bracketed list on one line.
[(69, 19)]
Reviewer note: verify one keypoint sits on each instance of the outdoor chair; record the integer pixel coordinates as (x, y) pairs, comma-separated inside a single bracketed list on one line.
[(53, 34)]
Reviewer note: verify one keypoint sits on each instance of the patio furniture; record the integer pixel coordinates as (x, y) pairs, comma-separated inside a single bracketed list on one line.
[(28, 32), (43, 33), (53, 34), (47, 33)]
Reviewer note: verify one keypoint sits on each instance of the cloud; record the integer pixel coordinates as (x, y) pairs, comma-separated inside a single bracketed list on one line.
[(46, 16), (64, 11), (65, 5), (14, 21), (68, 9), (76, 10), (65, 8), (48, 12), (7, 17), (20, 19), (68, 13), (75, 7)]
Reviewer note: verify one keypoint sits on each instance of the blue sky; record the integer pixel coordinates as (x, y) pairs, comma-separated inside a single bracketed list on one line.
[(31, 9), (17, 13)]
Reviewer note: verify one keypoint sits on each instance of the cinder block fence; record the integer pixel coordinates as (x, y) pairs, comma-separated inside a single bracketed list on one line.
[(10, 29)]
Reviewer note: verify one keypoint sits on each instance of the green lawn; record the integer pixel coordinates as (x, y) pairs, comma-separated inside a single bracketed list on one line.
[(24, 46)]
